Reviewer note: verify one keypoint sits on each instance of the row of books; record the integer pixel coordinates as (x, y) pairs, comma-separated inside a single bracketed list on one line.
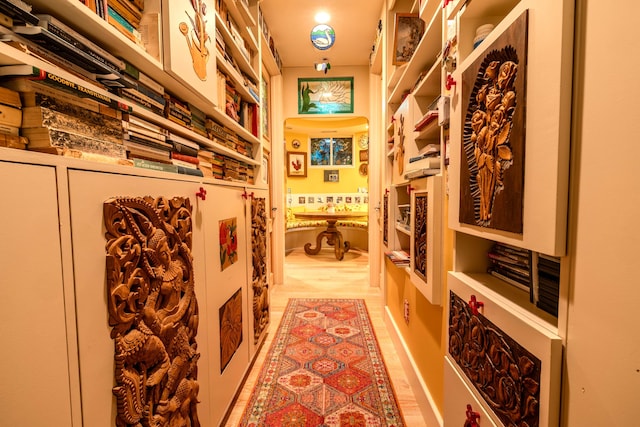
[(52, 41), (50, 115), (535, 273)]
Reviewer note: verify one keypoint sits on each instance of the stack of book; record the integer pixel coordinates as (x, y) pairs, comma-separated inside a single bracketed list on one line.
[(11, 119), (124, 16), (183, 150), (16, 12), (425, 163), (548, 289), (55, 42), (399, 258), (215, 131), (231, 169), (146, 140), (177, 111), (198, 120), (142, 90), (511, 264), (249, 117), (232, 102), (430, 117), (75, 122)]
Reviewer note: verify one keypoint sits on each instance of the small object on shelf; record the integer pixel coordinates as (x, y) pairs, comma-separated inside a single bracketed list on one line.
[(481, 33)]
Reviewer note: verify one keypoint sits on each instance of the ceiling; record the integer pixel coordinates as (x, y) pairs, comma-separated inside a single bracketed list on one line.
[(354, 23)]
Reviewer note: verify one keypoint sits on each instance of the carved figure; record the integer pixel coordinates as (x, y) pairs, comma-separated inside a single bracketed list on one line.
[(400, 148), (153, 311), (259, 257), (197, 37)]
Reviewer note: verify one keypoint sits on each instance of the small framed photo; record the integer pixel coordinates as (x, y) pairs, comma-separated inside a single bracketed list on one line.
[(363, 155), (331, 175), (407, 34), (296, 163), (301, 200)]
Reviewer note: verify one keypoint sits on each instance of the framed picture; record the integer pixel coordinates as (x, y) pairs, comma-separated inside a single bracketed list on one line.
[(408, 32), (364, 155), (331, 151), (189, 53), (296, 163), (331, 175), (330, 95)]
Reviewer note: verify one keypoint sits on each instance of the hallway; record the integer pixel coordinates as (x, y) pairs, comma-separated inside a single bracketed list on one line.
[(321, 276)]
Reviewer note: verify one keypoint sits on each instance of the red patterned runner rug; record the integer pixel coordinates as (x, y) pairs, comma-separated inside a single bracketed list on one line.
[(324, 368)]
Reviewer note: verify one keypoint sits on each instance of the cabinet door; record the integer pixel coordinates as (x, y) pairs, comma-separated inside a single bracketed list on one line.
[(426, 237), (88, 191), (460, 400), (34, 367), (511, 360), (226, 242)]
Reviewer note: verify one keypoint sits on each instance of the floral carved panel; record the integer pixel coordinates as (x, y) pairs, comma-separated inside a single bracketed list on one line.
[(420, 235), (259, 260), (385, 219), (506, 374), (153, 311), (493, 133), (230, 328)]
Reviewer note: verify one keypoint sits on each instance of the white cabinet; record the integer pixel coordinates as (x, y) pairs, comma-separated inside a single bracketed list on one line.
[(35, 366), (88, 190)]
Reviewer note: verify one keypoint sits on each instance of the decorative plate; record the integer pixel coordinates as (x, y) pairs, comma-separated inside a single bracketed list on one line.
[(295, 143), (363, 142)]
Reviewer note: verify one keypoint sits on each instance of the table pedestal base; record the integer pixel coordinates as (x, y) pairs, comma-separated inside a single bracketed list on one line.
[(334, 238)]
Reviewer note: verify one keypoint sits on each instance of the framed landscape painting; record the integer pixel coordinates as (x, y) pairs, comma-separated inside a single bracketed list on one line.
[(331, 95), (188, 31)]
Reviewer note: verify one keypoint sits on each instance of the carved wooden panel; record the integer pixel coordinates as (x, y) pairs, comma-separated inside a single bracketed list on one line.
[(153, 311), (420, 235), (259, 260), (505, 374), (230, 328), (385, 219), (493, 134)]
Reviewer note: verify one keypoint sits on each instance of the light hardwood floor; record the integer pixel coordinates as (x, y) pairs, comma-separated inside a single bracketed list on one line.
[(322, 276)]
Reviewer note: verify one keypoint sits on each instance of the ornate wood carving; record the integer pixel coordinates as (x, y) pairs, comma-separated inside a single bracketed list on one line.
[(493, 134), (230, 328), (385, 218), (420, 235), (506, 374), (259, 259), (153, 311)]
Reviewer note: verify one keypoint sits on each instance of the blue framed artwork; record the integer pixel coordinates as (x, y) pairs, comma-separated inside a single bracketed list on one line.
[(325, 95)]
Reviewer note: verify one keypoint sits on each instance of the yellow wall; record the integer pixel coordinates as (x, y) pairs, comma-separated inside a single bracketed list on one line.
[(424, 332), (350, 177)]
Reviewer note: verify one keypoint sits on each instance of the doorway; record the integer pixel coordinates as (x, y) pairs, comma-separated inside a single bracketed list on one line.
[(326, 168)]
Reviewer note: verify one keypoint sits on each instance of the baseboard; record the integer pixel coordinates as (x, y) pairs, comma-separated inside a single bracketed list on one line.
[(423, 397)]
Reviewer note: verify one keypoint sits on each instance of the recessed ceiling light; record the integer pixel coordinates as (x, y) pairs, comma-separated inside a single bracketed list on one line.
[(322, 17)]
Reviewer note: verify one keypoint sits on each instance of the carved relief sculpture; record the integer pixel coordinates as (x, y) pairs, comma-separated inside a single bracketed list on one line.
[(259, 260), (493, 134), (153, 311), (385, 219), (230, 328), (196, 36), (506, 374), (400, 147), (420, 236)]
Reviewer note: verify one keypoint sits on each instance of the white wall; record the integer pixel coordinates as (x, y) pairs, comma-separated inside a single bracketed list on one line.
[(602, 374)]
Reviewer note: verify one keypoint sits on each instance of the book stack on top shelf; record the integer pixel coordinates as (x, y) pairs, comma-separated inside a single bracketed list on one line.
[(399, 258), (11, 119)]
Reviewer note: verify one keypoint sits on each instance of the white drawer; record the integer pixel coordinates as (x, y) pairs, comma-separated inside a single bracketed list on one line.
[(458, 396), (512, 361)]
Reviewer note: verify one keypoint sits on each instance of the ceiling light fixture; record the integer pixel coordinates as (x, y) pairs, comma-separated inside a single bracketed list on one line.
[(322, 17), (324, 65)]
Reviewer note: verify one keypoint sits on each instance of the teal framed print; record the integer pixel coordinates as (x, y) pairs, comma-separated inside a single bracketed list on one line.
[(325, 95)]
